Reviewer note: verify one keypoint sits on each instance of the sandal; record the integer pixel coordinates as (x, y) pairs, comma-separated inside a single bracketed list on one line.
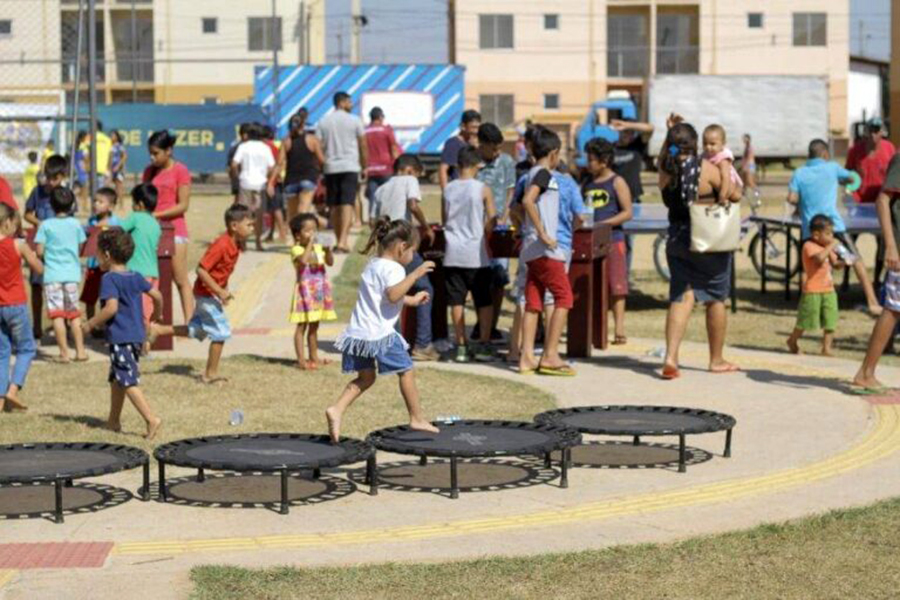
[(561, 371), (670, 373), (868, 391), (620, 340)]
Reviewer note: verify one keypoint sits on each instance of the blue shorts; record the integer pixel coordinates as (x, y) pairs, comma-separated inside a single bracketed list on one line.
[(500, 272), (209, 320), (393, 359), (294, 189), (123, 364)]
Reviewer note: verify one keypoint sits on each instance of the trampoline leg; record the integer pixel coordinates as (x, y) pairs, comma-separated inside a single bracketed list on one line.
[(682, 451), (163, 493), (69, 483), (637, 440), (423, 460), (548, 462), (564, 468), (317, 473), (284, 492), (727, 453), (454, 481), (58, 513), (372, 475), (201, 476), (145, 491)]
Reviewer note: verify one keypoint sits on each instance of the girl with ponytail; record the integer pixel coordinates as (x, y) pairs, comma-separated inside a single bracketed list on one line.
[(371, 340), (301, 159)]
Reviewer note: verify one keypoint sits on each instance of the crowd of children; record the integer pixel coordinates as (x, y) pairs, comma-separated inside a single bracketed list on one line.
[(483, 190)]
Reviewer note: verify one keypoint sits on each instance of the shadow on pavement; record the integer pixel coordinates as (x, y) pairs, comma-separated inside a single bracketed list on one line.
[(37, 501)]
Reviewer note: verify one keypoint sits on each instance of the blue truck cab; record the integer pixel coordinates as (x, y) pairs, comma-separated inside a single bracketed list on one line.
[(618, 105)]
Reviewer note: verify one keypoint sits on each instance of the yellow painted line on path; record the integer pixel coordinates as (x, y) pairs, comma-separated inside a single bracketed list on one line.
[(6, 576), (882, 441), (249, 294)]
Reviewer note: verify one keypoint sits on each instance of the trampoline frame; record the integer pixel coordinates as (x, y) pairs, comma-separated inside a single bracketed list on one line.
[(356, 451), (134, 457), (715, 421), (562, 439)]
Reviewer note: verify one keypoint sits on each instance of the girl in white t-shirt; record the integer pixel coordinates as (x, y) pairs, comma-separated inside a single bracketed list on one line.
[(371, 340)]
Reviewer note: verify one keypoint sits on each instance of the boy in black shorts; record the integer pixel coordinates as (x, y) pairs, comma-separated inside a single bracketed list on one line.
[(469, 213)]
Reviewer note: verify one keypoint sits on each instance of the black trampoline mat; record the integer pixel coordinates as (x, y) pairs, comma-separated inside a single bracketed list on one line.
[(264, 452), (476, 439), (634, 421), (24, 463)]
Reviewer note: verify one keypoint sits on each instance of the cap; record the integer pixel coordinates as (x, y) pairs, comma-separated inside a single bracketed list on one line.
[(875, 124)]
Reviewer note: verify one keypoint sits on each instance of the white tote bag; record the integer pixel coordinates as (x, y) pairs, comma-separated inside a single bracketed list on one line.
[(715, 228)]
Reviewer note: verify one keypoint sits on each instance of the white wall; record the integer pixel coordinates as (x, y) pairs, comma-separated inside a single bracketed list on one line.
[(864, 96)]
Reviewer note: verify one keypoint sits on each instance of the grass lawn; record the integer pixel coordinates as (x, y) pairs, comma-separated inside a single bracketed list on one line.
[(842, 554), (70, 403)]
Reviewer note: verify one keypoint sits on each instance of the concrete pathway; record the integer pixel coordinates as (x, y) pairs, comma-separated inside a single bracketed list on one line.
[(801, 446)]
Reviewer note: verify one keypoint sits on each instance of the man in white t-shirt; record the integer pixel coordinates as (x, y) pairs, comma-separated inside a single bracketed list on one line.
[(252, 164)]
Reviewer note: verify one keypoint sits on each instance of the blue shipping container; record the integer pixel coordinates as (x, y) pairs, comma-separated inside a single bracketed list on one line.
[(423, 103)]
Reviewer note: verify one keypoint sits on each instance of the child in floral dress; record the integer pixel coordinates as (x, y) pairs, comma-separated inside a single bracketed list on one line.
[(312, 301)]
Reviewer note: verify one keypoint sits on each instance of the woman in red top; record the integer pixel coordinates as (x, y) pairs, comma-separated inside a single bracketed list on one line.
[(16, 336), (869, 157), (173, 183)]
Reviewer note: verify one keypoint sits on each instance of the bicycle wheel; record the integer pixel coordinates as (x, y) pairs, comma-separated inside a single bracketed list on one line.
[(659, 256), (776, 246)]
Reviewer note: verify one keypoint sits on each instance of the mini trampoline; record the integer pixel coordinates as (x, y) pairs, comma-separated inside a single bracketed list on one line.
[(477, 439), (637, 421), (282, 453), (60, 463)]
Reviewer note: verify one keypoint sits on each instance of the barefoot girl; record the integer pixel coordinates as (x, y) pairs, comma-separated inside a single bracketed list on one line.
[(371, 340), (312, 300)]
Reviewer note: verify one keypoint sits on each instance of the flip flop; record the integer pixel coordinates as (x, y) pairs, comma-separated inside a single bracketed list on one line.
[(867, 391), (522, 371), (620, 340), (83, 359), (564, 371), (726, 371), (670, 373)]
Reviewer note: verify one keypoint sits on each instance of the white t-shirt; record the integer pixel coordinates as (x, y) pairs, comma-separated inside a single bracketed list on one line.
[(464, 229), (255, 159), (392, 197), (374, 317)]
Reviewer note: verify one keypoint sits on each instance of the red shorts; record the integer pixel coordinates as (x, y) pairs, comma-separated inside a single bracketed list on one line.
[(547, 274), (617, 269), (90, 293)]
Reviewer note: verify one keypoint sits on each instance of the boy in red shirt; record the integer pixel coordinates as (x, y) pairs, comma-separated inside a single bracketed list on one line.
[(211, 290)]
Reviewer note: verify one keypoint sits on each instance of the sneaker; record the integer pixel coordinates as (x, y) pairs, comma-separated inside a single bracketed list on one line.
[(426, 354), (485, 353), (462, 354)]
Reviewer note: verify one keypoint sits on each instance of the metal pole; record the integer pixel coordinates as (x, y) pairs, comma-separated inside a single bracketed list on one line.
[(76, 104), (301, 27), (276, 36), (451, 31), (92, 90), (356, 27), (133, 53)]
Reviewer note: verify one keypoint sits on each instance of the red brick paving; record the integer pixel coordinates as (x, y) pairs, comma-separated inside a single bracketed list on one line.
[(54, 555)]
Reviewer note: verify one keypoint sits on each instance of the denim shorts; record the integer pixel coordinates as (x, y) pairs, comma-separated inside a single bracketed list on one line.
[(394, 358), (294, 189), (209, 320)]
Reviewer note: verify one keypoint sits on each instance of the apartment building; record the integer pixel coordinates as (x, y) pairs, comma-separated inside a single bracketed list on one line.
[(167, 51), (549, 60)]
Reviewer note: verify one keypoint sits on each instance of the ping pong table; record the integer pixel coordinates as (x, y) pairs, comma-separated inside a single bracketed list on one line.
[(859, 218), (653, 219)]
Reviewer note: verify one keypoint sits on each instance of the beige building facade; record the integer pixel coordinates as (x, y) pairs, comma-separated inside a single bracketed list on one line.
[(549, 60), (173, 51)]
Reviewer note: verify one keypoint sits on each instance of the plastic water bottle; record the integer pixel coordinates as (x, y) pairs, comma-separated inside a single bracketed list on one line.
[(845, 255), (237, 417), (448, 418), (659, 352)]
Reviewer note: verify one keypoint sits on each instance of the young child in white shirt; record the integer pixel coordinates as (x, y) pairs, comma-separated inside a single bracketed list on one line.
[(371, 340), (253, 163)]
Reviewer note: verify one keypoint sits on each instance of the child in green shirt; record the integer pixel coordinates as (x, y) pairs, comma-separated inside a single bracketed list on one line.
[(145, 231)]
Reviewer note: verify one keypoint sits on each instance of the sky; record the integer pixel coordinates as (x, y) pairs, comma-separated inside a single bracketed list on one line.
[(416, 30)]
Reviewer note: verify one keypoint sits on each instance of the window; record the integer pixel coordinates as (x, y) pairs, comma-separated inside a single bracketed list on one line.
[(495, 31), (134, 56), (810, 29), (551, 21), (259, 34), (210, 25), (678, 42), (551, 101), (755, 20), (5, 27), (497, 108), (628, 53)]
